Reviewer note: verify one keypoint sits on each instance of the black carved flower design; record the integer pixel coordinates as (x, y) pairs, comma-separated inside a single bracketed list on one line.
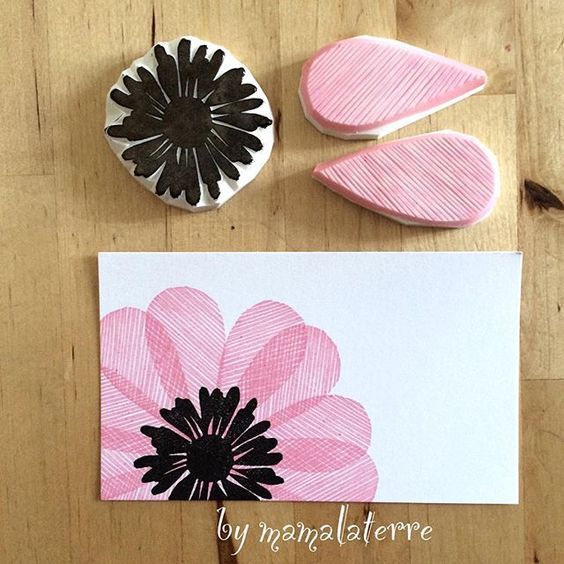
[(218, 454), (187, 119)]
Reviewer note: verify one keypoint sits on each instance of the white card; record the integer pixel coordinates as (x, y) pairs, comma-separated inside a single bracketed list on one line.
[(389, 377)]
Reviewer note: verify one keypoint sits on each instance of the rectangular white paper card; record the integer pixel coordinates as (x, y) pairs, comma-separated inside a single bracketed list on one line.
[(389, 377)]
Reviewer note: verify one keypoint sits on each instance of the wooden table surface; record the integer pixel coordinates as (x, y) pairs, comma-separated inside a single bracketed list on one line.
[(64, 197)]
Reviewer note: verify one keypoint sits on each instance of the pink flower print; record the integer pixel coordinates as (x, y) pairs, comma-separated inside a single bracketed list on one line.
[(188, 413)]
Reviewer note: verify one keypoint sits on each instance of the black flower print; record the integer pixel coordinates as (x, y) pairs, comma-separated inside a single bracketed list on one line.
[(217, 454), (187, 122)]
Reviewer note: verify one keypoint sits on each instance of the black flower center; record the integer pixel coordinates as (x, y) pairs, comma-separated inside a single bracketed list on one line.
[(210, 458), (216, 452), (187, 122)]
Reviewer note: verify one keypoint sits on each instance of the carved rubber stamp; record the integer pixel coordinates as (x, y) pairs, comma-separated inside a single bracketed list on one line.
[(190, 122), (366, 87), (445, 179)]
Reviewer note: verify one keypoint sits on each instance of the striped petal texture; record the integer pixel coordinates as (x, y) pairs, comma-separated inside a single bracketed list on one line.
[(445, 179), (368, 86)]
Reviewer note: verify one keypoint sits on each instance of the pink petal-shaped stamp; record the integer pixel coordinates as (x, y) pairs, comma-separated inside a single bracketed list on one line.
[(445, 179), (366, 87)]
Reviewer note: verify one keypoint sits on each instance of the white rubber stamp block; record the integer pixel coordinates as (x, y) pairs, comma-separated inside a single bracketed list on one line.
[(443, 179), (366, 87), (190, 122)]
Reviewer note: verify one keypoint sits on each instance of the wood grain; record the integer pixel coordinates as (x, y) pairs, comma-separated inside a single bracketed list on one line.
[(26, 145), (543, 442), (541, 111), (65, 197)]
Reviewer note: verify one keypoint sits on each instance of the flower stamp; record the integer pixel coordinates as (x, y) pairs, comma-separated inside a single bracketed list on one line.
[(190, 122)]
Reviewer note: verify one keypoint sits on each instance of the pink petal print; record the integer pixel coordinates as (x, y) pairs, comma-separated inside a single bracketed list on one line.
[(369, 86), (114, 438), (274, 364), (251, 332), (115, 486), (355, 482), (321, 434), (445, 179), (126, 360), (121, 480), (119, 476), (325, 417), (142, 493), (124, 406), (166, 359), (316, 375), (195, 328), (317, 454)]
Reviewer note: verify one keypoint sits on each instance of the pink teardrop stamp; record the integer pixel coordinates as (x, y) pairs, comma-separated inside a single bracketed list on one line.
[(367, 87), (443, 179)]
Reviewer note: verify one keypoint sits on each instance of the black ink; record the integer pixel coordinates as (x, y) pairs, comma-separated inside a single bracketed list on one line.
[(187, 122), (220, 453)]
